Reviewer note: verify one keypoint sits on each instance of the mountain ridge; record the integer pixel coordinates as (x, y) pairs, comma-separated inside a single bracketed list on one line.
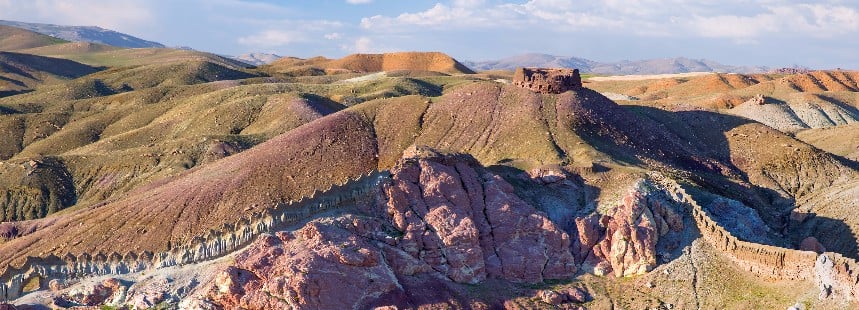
[(92, 34), (646, 66)]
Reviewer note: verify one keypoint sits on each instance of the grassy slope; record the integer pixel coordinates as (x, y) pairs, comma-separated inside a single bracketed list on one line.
[(12, 38)]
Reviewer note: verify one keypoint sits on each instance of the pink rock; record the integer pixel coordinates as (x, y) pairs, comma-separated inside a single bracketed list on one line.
[(550, 297), (547, 175), (576, 295), (589, 234), (811, 244), (322, 266), (467, 223), (632, 230)]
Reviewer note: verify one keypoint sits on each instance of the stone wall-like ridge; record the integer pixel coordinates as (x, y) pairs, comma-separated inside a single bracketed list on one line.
[(831, 271), (217, 242)]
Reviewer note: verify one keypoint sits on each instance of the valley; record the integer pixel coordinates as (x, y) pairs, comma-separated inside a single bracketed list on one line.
[(153, 177)]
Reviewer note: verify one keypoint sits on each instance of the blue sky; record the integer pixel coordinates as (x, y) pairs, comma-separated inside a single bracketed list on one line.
[(820, 34)]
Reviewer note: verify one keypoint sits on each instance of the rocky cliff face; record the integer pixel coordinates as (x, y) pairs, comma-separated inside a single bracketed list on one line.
[(468, 224), (623, 242), (443, 226), (445, 221)]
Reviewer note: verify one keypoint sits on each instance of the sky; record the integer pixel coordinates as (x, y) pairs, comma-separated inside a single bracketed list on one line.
[(819, 34)]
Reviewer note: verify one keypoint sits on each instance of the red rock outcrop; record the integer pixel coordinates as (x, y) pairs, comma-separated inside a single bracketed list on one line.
[(448, 220), (320, 266), (628, 234), (468, 224)]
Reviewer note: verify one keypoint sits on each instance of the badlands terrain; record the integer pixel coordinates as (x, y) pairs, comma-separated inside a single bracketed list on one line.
[(164, 178)]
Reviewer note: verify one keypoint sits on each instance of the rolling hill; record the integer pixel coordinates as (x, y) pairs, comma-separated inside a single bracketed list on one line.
[(12, 38), (364, 63), (182, 177)]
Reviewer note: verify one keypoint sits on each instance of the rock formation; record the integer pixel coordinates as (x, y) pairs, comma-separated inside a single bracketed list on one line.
[(549, 81), (629, 234), (448, 220), (468, 224)]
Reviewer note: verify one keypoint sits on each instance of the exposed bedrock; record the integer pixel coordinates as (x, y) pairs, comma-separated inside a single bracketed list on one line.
[(623, 242), (447, 221), (467, 223)]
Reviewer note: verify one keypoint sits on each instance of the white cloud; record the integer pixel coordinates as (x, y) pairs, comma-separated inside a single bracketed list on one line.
[(735, 19), (439, 15), (813, 20), (364, 45), (333, 36), (272, 38), (358, 1), (468, 3)]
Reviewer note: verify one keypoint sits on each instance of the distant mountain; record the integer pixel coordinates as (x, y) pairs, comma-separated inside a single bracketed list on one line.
[(257, 59), (85, 34), (650, 66), (531, 60)]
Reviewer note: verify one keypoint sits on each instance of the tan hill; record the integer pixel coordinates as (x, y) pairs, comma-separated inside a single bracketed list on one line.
[(66, 50), (805, 91), (367, 63), (12, 38), (419, 61), (99, 127), (839, 140), (801, 111)]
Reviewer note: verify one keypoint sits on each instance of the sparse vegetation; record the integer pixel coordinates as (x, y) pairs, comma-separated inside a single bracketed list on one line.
[(144, 149)]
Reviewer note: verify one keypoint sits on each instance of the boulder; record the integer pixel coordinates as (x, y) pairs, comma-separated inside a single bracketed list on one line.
[(550, 297), (758, 99), (811, 244), (577, 295)]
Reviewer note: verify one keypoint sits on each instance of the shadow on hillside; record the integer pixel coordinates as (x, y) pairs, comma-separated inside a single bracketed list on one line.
[(692, 143), (840, 104), (323, 105), (695, 143), (9, 93), (832, 233)]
